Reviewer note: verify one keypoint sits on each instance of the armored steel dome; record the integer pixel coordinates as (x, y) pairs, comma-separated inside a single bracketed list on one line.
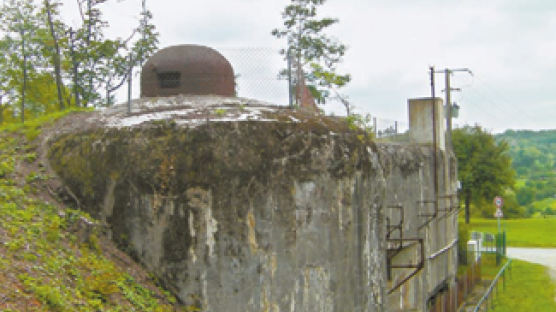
[(188, 70)]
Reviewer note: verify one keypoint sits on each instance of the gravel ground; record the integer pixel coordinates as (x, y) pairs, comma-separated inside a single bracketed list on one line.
[(544, 256)]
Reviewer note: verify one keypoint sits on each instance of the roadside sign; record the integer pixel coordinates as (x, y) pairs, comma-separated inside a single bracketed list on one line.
[(498, 213), (498, 201)]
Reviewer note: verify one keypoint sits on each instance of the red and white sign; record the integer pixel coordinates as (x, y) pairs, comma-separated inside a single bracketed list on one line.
[(498, 201)]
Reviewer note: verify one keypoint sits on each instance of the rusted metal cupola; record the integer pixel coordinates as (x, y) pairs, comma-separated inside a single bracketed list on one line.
[(188, 70)]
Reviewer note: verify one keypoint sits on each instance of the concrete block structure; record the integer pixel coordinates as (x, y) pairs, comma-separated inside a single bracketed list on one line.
[(422, 112)]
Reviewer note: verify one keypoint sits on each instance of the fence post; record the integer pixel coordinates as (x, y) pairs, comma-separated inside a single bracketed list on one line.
[(504, 281), (504, 235), (498, 248)]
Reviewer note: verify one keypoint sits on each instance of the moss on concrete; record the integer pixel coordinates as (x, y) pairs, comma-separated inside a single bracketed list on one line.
[(165, 158)]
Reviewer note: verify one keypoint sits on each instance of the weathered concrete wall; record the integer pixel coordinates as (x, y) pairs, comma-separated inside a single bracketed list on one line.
[(240, 216), (416, 194), (282, 214)]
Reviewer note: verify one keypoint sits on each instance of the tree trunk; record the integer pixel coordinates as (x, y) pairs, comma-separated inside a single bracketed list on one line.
[(75, 71), (88, 40), (56, 57), (24, 86), (467, 200), (1, 110)]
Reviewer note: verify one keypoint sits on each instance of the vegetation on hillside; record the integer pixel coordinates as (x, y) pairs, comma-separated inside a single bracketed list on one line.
[(533, 156), (54, 258)]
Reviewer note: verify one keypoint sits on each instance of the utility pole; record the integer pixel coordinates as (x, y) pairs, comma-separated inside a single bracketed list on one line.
[(448, 89), (434, 143), (448, 94)]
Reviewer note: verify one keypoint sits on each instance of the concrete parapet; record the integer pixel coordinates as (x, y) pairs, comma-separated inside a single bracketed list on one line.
[(421, 121)]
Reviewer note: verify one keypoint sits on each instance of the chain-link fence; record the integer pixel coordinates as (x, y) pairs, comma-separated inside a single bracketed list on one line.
[(257, 76), (256, 71)]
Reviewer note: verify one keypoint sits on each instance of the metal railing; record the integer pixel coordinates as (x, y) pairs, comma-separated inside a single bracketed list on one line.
[(485, 300)]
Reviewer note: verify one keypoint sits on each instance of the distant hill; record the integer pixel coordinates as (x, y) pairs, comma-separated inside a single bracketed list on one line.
[(534, 160)]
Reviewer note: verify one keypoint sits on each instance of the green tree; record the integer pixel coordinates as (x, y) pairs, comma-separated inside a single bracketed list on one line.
[(484, 167), (314, 55), (6, 92), (91, 52), (105, 64), (147, 43), (20, 24), (38, 51), (526, 195), (512, 209), (51, 12), (126, 59)]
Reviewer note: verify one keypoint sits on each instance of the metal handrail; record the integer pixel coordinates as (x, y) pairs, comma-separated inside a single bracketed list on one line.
[(491, 287)]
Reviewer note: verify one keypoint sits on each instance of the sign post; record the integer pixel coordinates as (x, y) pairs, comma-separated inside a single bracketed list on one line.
[(499, 202)]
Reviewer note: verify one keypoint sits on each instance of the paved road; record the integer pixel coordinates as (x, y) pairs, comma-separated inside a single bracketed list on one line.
[(544, 256)]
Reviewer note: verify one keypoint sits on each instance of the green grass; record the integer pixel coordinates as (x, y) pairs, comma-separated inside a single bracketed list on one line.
[(42, 263), (535, 232), (528, 286), (528, 289), (31, 128), (488, 266)]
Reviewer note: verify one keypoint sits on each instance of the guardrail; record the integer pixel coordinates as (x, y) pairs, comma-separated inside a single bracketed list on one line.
[(486, 297)]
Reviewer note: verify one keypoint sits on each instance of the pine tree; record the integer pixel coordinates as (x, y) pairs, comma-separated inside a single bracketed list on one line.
[(315, 55)]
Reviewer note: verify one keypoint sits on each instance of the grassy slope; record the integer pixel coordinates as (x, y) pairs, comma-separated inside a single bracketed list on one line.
[(536, 232), (528, 289), (44, 263)]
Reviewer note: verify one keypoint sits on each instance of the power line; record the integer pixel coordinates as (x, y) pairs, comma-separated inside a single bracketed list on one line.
[(485, 86), (500, 109)]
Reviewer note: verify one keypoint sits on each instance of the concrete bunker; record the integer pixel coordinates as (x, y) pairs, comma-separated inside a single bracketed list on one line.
[(282, 211)]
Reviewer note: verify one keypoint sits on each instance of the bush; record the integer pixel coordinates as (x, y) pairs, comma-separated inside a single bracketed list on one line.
[(464, 235)]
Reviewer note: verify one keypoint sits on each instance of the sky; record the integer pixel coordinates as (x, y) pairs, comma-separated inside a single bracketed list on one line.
[(510, 46)]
